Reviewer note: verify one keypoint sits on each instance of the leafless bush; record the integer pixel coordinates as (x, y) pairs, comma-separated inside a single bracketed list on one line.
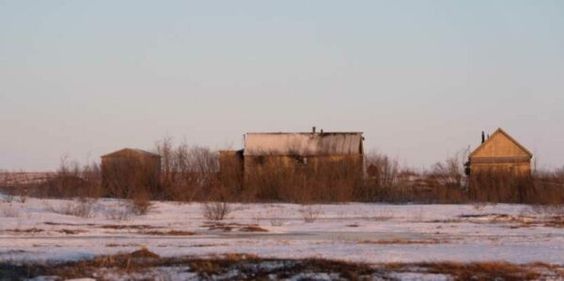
[(277, 221), (8, 210), (216, 210), (21, 198), (188, 172), (383, 170), (480, 206), (140, 204), (7, 198), (310, 213), (83, 208), (381, 181), (449, 173), (556, 210), (121, 212), (70, 180)]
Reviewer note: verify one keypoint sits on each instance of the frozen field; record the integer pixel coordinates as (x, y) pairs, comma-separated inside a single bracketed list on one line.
[(37, 230)]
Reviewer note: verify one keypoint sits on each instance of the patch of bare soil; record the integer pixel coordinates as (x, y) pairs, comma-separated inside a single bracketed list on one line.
[(112, 245), (169, 232), (402, 241), (517, 221), (252, 228), (128, 226), (138, 264), (493, 271), (226, 227), (71, 231), (68, 224), (496, 218), (26, 230), (143, 253)]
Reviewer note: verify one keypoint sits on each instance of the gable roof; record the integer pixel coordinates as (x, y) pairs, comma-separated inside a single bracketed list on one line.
[(130, 151), (303, 144), (505, 134)]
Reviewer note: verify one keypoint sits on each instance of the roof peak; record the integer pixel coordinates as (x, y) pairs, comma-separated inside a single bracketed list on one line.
[(134, 150), (500, 130)]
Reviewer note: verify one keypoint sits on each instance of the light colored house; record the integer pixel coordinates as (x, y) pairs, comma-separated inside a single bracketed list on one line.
[(500, 153)]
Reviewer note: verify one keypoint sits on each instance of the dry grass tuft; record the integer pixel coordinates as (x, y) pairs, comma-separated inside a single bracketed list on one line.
[(27, 230), (237, 266), (401, 241), (71, 231), (252, 228), (143, 253), (168, 233), (483, 271)]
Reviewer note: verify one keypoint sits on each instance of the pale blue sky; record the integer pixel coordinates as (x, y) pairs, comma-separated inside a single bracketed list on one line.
[(420, 78)]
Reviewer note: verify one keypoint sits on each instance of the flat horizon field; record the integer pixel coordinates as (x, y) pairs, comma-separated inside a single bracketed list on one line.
[(52, 231)]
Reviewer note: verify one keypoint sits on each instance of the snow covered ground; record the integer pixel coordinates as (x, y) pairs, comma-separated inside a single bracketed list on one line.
[(37, 230)]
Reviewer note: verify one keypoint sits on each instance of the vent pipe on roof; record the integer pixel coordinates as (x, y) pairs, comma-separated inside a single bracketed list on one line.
[(313, 129), (483, 136)]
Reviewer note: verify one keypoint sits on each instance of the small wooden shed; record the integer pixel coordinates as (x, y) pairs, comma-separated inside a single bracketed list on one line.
[(500, 153), (128, 170)]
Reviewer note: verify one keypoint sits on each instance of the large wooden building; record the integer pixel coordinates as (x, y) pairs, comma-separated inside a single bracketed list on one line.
[(500, 153), (128, 170), (307, 153)]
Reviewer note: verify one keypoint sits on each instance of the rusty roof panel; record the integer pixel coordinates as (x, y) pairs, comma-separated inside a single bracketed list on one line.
[(304, 144)]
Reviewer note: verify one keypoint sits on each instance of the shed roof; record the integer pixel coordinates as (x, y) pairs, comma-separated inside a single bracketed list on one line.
[(131, 151), (304, 144)]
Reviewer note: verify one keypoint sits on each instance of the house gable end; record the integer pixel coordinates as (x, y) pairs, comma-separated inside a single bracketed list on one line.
[(500, 145)]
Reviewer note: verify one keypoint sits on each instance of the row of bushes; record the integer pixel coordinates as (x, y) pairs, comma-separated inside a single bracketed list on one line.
[(193, 174)]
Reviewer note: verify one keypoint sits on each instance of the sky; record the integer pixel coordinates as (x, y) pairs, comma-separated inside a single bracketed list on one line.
[(421, 79)]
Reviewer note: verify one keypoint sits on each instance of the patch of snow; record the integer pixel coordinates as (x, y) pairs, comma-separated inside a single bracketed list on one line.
[(356, 232)]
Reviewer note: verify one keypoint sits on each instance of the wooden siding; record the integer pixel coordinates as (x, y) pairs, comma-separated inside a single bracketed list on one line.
[(501, 153)]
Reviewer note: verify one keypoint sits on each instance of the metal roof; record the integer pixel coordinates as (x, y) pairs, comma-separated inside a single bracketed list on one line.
[(303, 144)]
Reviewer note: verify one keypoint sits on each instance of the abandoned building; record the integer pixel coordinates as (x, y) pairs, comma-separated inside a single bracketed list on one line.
[(129, 170), (499, 153), (309, 155)]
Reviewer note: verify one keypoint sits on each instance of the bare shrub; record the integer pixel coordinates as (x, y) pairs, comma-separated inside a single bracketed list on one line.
[(83, 208), (277, 221), (7, 198), (70, 180), (449, 173), (141, 203), (8, 210), (480, 206), (188, 172), (121, 212), (22, 198), (556, 210), (381, 182), (216, 211), (382, 169), (310, 213)]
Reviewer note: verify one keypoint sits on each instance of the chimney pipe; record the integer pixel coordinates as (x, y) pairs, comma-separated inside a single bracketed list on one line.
[(483, 136), (313, 129)]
